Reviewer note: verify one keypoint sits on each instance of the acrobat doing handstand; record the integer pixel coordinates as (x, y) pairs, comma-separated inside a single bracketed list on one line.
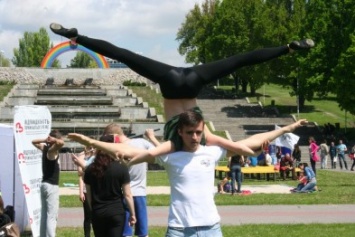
[(181, 85)]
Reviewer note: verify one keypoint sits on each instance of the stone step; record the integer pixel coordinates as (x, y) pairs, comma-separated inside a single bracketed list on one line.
[(73, 100), (70, 92)]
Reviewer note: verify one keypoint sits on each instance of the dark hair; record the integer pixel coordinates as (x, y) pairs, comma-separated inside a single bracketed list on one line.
[(102, 159), (100, 164), (55, 133), (304, 165), (107, 138), (189, 118)]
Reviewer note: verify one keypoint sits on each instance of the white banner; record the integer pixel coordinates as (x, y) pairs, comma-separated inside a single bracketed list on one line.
[(31, 122), (286, 140)]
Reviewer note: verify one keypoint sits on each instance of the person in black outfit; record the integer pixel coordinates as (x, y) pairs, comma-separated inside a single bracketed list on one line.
[(4, 219), (181, 85), (107, 183)]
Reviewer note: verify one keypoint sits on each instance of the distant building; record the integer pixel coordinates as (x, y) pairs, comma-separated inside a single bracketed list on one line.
[(115, 64)]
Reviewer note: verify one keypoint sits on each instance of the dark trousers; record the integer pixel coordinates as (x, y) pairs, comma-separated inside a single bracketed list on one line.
[(87, 217), (313, 165), (175, 82), (341, 158), (236, 175), (352, 167)]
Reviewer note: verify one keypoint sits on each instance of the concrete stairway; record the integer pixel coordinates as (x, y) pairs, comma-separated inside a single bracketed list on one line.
[(241, 119), (85, 110)]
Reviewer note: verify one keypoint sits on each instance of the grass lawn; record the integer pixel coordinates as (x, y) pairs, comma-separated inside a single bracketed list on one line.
[(320, 110), (337, 188), (294, 230)]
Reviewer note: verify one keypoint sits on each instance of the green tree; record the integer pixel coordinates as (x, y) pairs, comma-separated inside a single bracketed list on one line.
[(4, 62), (345, 78), (331, 23), (32, 49), (194, 31), (82, 60)]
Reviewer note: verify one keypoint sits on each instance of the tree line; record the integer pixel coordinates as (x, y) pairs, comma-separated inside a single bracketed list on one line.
[(217, 29)]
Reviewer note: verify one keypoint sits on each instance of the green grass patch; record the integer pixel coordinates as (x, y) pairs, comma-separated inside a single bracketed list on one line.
[(275, 230), (150, 96), (336, 189), (5, 88)]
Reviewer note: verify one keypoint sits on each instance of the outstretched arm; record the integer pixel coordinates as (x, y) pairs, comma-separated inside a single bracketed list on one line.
[(117, 150), (258, 141), (149, 155)]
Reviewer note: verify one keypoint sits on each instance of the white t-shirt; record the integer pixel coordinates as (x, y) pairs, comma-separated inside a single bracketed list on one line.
[(191, 177), (138, 172)]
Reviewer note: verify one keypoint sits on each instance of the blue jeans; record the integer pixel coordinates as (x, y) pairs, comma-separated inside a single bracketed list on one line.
[(197, 231), (309, 187), (236, 175), (341, 158), (50, 207)]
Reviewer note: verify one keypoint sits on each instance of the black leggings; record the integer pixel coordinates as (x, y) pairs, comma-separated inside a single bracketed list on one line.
[(177, 82)]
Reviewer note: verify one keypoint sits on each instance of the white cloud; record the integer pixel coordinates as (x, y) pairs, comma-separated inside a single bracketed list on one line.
[(149, 27)]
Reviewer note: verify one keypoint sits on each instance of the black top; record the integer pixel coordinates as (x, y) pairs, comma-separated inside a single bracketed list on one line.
[(4, 219), (50, 168), (106, 192), (236, 160)]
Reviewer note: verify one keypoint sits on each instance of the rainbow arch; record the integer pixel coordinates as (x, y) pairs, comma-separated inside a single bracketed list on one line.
[(68, 46)]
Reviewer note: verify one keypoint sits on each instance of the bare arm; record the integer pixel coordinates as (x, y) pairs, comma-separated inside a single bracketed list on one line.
[(39, 143), (117, 150), (56, 144), (129, 200), (79, 160), (81, 189), (149, 133), (149, 155)]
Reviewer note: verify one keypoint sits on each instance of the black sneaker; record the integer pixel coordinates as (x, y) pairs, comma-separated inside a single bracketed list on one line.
[(302, 44), (60, 30)]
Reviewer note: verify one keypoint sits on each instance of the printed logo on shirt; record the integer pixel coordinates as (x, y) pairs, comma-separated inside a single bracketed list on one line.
[(206, 162)]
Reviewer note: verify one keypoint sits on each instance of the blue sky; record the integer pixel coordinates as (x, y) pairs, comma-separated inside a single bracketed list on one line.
[(145, 26)]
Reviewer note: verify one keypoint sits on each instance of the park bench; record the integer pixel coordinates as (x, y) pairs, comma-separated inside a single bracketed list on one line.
[(253, 170)]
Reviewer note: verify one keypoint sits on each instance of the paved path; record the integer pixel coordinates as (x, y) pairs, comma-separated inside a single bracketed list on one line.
[(271, 188), (238, 215)]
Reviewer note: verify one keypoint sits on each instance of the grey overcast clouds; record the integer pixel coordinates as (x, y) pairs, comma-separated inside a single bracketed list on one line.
[(144, 26)]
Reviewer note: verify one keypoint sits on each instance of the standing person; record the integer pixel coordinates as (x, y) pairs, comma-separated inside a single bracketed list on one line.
[(107, 184), (296, 155), (138, 184), (333, 155), (235, 164), (341, 149), (313, 153), (50, 147), (192, 210), (88, 157), (180, 86), (352, 157), (324, 151)]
